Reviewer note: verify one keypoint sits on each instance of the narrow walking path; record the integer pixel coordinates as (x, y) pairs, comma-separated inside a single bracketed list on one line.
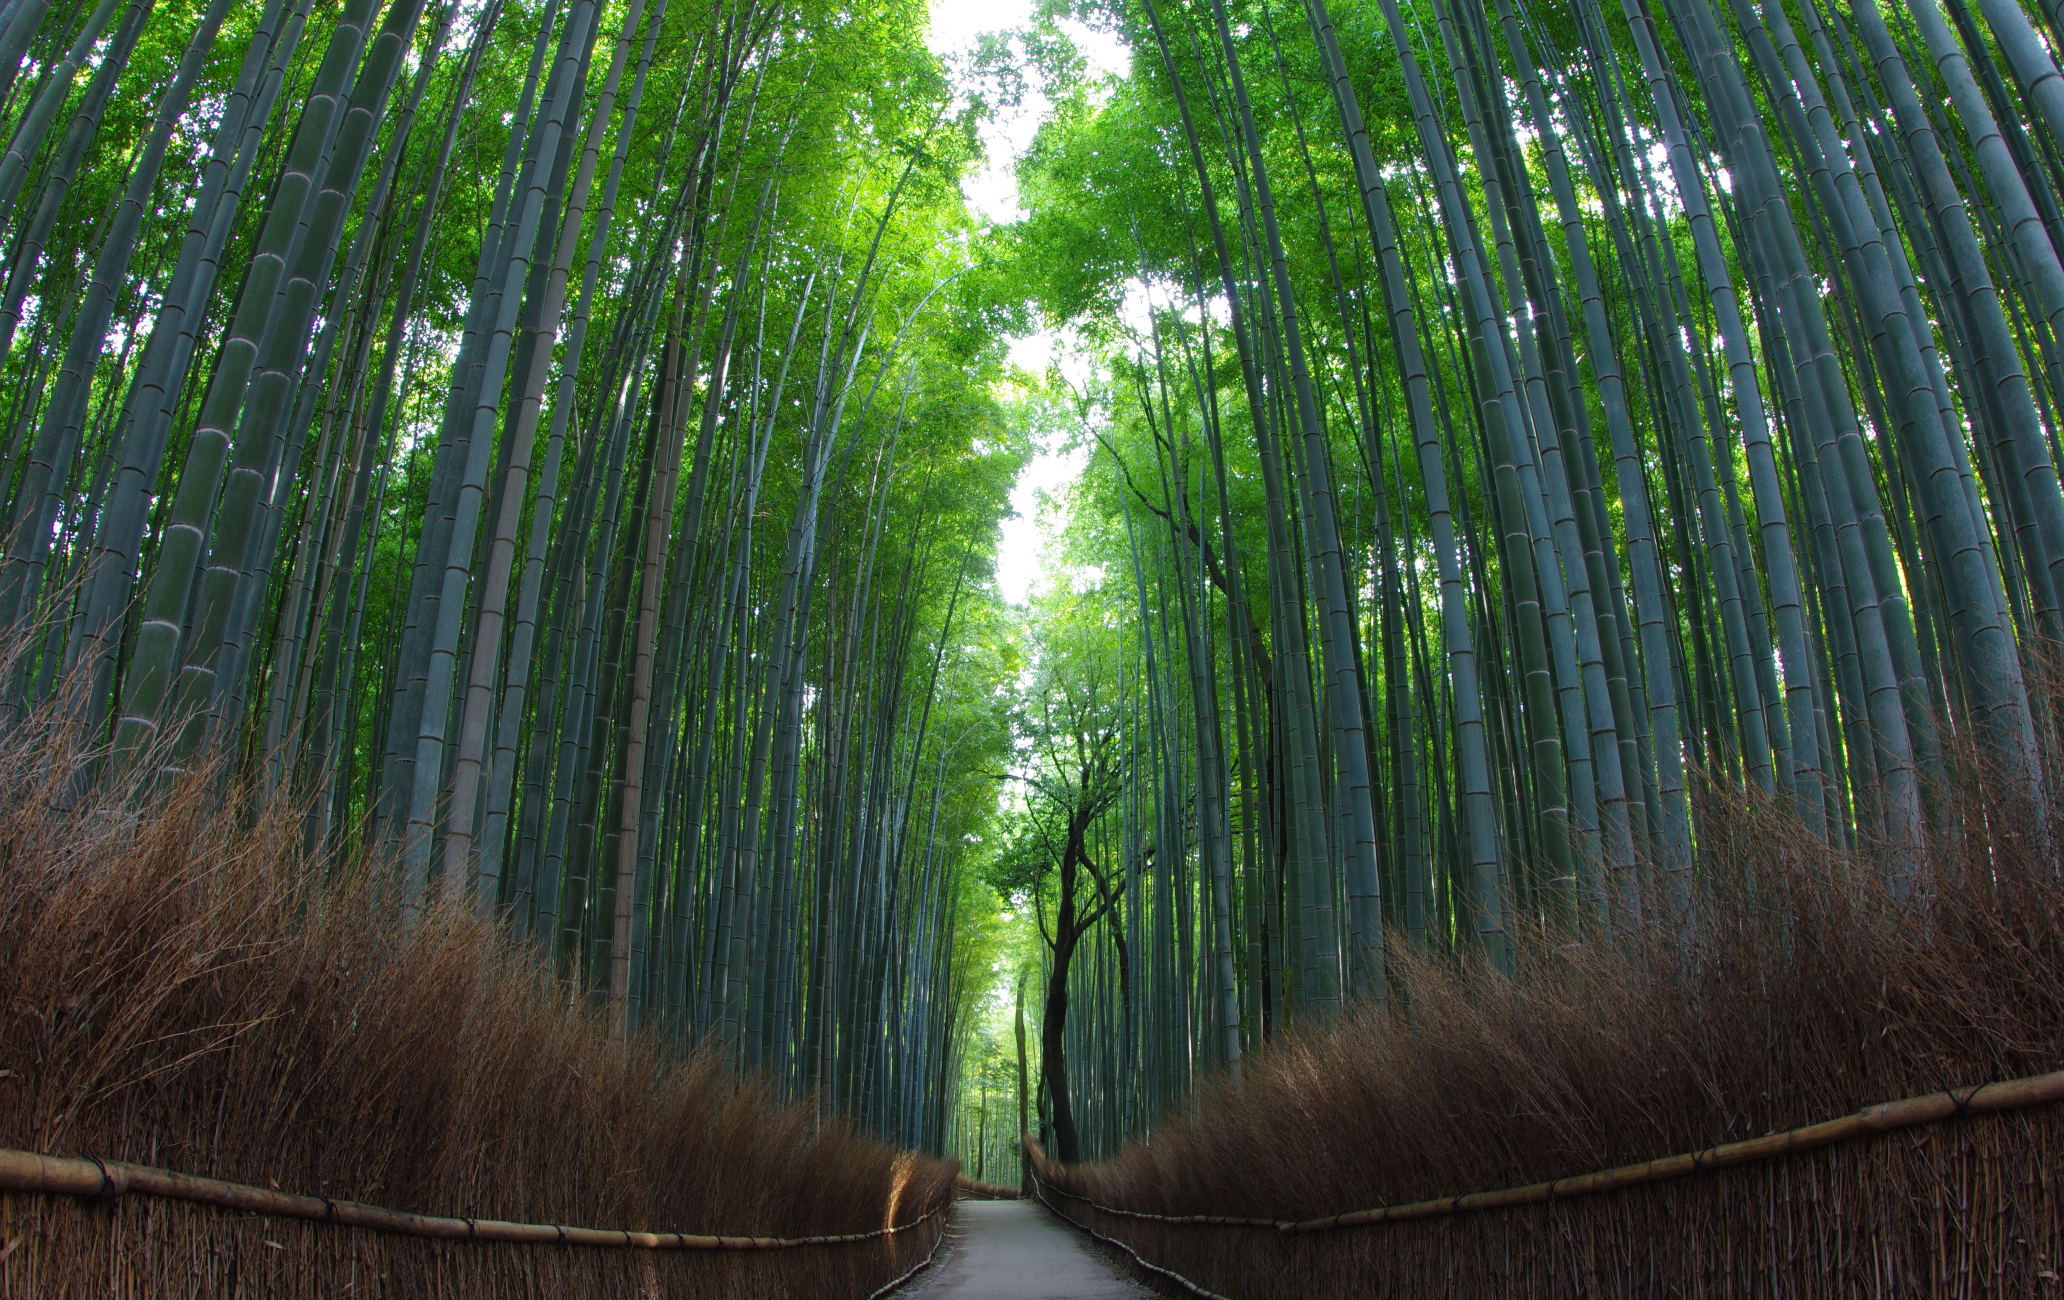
[(1016, 1250)]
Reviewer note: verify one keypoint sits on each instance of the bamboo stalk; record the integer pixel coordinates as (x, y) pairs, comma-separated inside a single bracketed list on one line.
[(1871, 1121), (29, 1171)]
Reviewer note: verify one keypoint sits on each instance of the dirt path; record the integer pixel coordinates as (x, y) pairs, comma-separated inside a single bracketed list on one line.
[(1016, 1250)]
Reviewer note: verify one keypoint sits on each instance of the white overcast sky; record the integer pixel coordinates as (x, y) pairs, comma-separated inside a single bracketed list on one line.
[(993, 192)]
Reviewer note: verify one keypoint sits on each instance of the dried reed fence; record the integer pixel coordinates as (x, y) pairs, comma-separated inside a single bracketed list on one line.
[(180, 987), (98, 1179), (969, 1189), (1512, 1128), (1965, 1213)]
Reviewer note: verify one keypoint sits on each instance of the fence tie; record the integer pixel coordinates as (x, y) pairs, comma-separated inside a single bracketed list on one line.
[(110, 1188), (560, 1228), (329, 1209), (1963, 1102), (471, 1231)]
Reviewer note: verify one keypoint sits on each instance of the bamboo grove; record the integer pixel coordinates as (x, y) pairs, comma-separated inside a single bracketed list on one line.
[(560, 443), (1517, 425), (553, 438)]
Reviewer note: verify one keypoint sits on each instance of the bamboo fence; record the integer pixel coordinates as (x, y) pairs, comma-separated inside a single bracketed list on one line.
[(1821, 1210), (28, 1171), (92, 1179)]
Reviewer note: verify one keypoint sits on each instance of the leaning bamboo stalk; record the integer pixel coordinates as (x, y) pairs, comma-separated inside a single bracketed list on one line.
[(29, 1171), (1871, 1121)]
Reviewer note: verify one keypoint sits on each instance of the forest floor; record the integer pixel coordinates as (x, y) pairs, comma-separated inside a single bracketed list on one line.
[(1017, 1250)]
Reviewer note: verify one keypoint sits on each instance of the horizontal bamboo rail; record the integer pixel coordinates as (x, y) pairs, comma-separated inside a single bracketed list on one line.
[(87, 1176), (938, 1244), (1039, 1187), (1885, 1117)]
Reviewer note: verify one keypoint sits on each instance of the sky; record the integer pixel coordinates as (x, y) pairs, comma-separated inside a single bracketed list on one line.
[(1021, 566)]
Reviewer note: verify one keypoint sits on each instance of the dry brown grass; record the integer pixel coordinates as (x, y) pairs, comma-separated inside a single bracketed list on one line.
[(969, 1189), (1813, 990), (181, 986)]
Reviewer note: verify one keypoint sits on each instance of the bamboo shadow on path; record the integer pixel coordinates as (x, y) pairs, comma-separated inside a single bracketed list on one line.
[(1016, 1250)]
